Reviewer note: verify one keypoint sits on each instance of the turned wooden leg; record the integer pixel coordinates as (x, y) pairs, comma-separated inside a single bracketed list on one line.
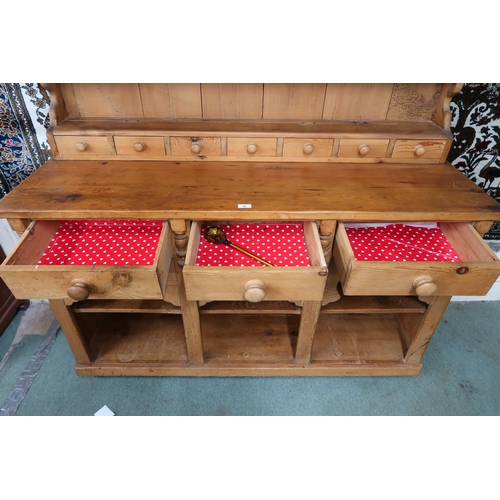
[(327, 236), (180, 231)]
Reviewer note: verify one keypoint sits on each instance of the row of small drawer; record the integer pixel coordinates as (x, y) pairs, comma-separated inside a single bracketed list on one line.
[(252, 147), (27, 279)]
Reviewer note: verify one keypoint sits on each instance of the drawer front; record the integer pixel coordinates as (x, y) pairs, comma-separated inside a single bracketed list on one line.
[(83, 145), (255, 146), (418, 149), (475, 275), (359, 148), (195, 146), (140, 146), (307, 147), (256, 283), (28, 280)]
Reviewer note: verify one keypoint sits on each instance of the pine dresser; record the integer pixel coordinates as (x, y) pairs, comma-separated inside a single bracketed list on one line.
[(362, 230)]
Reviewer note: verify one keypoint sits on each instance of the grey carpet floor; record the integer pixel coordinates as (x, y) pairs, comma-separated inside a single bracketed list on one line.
[(460, 376)]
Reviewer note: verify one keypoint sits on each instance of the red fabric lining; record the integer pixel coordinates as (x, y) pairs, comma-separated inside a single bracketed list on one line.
[(401, 243), (104, 243), (280, 244)]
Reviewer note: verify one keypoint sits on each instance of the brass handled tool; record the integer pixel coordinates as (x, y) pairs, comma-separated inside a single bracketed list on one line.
[(214, 234)]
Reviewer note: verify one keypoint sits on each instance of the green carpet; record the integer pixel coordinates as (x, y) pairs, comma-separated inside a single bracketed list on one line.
[(461, 376)]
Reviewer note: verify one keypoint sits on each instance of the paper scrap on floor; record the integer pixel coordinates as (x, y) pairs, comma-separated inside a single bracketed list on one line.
[(104, 412)]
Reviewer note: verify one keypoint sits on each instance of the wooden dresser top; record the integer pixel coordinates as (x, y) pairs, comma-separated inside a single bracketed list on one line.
[(205, 190)]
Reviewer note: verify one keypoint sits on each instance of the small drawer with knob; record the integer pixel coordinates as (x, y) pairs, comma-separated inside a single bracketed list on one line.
[(363, 148), (254, 146), (414, 149), (140, 146), (303, 147), (195, 146), (79, 260), (82, 145), (218, 271), (426, 260)]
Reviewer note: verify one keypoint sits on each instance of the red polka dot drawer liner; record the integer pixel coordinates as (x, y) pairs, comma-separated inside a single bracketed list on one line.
[(104, 243), (280, 244), (400, 243)]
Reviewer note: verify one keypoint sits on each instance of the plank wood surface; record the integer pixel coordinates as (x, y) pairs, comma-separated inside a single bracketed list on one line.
[(294, 100), (232, 100), (362, 101), (184, 190), (171, 100), (108, 99), (332, 101), (139, 338)]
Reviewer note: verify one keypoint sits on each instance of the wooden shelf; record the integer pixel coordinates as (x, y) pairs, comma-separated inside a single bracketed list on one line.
[(126, 306), (358, 338), (250, 128), (244, 345), (346, 305), (374, 305), (243, 339), (143, 338)]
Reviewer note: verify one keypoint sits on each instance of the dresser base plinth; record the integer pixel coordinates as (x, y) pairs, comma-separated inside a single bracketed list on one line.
[(312, 370)]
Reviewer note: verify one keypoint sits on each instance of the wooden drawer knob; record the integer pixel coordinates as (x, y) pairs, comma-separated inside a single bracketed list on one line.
[(79, 290), (424, 286), (139, 146), (420, 150), (255, 291), (195, 147), (81, 146), (308, 148), (364, 149), (251, 148)]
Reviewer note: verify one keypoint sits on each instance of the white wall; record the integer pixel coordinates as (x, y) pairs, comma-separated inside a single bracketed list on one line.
[(8, 237)]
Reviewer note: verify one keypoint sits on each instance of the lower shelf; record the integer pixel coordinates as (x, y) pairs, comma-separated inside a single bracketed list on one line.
[(243, 345)]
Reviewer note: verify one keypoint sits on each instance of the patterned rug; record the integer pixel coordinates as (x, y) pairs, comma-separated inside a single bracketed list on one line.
[(24, 118), (475, 125), (476, 129)]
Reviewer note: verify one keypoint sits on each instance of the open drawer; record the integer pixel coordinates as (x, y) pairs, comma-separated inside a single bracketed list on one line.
[(116, 265), (255, 282), (472, 271)]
